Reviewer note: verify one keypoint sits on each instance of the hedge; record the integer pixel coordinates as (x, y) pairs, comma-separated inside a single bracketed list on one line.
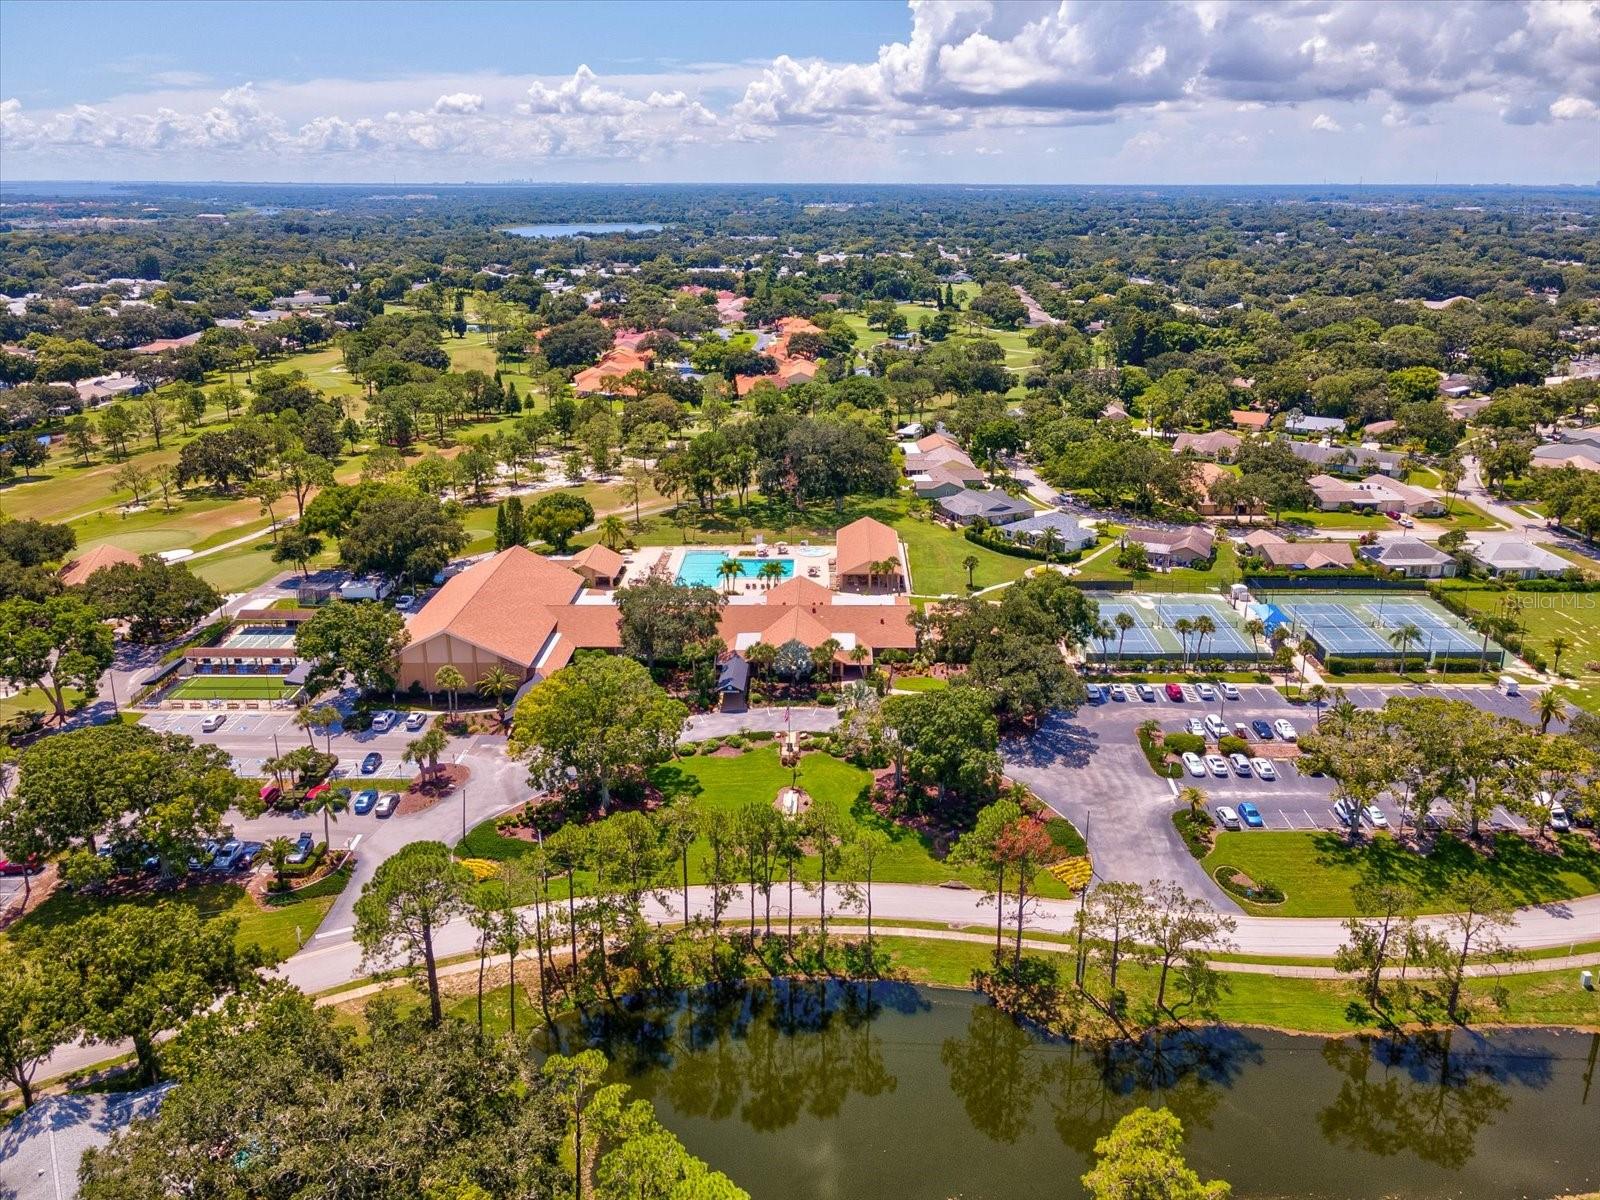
[(1262, 893), (1184, 743), (1445, 666), (1156, 757), (1002, 545)]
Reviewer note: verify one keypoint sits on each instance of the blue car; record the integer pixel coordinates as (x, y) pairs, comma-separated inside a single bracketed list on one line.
[(365, 799), (1262, 730), (1251, 815), (370, 763)]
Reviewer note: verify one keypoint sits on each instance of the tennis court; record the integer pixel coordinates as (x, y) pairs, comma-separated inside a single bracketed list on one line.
[(231, 687), (1362, 627), (261, 637), (1154, 634)]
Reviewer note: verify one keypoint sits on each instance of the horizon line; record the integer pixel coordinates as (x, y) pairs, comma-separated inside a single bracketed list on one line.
[(1359, 183)]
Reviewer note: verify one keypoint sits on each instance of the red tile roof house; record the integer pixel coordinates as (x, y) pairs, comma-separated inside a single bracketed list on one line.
[(602, 378), (803, 611), (515, 610), (86, 564), (860, 548)]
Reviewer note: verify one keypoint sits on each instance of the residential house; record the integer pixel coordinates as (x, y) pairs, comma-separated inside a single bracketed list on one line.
[(1379, 430), (1411, 557), (1582, 455), (1302, 423), (1173, 547), (1073, 534), (1249, 419), (105, 388), (944, 479), (1507, 558), (1219, 444), (302, 299), (161, 345), (1114, 412), (1467, 409), (1375, 493), (1205, 477), (1279, 552), (602, 378), (1349, 460), (1588, 435), (514, 610), (99, 558), (1455, 387), (995, 507), (860, 550)]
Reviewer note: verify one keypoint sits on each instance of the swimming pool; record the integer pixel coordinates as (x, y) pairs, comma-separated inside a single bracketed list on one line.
[(700, 567)]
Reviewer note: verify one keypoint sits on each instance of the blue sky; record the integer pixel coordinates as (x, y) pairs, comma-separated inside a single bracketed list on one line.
[(1196, 91)]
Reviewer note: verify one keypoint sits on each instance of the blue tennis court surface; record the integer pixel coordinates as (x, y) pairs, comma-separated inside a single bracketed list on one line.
[(1154, 633)]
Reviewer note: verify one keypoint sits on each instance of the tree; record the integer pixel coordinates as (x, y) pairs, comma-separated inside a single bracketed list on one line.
[(450, 680), (158, 600), (1371, 945), (660, 619), (139, 971), (1559, 645), (361, 639), (56, 644), (1026, 847), (1478, 912), (601, 717), (330, 802), (412, 892), (426, 750), (555, 516), (1403, 638), (1179, 929), (1549, 706), (949, 739), (297, 546), (497, 683), (980, 847), (969, 564), (1142, 1159), (38, 1013), (399, 533), (575, 1080)]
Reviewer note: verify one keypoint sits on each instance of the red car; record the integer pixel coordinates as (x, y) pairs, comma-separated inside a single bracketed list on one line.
[(1174, 692), (30, 867)]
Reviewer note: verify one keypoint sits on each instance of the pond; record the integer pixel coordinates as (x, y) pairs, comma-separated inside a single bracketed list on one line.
[(591, 227), (807, 1092)]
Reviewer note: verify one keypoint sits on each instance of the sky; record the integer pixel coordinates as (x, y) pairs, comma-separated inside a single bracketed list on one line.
[(869, 91)]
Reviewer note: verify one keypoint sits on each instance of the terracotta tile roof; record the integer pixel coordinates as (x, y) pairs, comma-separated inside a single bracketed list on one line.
[(795, 624), (935, 440), (862, 543), (877, 626), (1248, 418), (799, 591), (508, 605), (90, 561), (600, 559)]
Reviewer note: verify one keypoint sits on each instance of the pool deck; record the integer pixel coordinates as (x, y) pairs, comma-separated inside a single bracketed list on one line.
[(666, 561)]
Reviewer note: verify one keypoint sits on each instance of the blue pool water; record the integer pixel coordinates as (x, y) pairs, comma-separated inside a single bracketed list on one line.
[(700, 567)]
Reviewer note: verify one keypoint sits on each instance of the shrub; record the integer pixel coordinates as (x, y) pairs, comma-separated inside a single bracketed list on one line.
[(761, 735), (736, 740), (1258, 892), (1196, 830), (827, 699), (1184, 743), (1155, 756), (1233, 745)]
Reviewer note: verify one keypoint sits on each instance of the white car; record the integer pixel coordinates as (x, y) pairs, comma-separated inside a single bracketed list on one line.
[(1346, 812), (1229, 692), (1118, 692), (405, 602), (1559, 821), (1216, 726), (1226, 817), (1206, 691), (1218, 765), (1194, 764), (1241, 764), (383, 720), (416, 720), (1146, 692), (1196, 726), (1263, 768), (1375, 817), (1285, 730), (213, 722)]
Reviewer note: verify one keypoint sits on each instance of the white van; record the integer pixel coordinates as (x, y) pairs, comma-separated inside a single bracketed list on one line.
[(383, 720), (1508, 685)]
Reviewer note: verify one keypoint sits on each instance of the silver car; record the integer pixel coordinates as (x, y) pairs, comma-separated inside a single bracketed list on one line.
[(1218, 765)]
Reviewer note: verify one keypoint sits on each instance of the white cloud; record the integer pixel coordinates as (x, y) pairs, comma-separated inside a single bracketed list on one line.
[(459, 102), (1323, 123), (1575, 108)]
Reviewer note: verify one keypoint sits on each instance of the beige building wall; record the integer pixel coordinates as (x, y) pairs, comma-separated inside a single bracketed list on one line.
[(421, 661)]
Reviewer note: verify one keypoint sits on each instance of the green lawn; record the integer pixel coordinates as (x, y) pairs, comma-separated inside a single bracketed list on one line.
[(1318, 871), (920, 683), (1224, 569), (729, 783), (1547, 615), (273, 929), (230, 687)]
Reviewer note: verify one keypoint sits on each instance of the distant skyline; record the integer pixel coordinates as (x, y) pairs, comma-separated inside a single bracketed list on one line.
[(931, 92)]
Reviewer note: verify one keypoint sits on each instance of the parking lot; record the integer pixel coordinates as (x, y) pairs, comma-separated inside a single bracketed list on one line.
[(253, 737)]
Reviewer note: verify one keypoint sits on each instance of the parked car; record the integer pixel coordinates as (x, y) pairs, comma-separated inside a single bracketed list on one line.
[(404, 603), (1194, 764), (1097, 694), (1406, 522), (212, 722), (1118, 692), (1345, 812), (1196, 726), (364, 801), (1262, 729), (383, 720), (1263, 768), (1229, 692), (316, 793), (227, 856), (1206, 691), (416, 720), (1218, 765), (1241, 764), (1226, 817), (371, 763), (1392, 514), (1251, 815), (387, 804), (1559, 821), (1375, 817), (1285, 730), (1146, 692), (1216, 726), (1174, 692), (269, 794), (202, 858), (302, 848), (31, 865)]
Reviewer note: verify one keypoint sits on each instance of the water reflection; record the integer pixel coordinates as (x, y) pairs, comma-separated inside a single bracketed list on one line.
[(811, 1091)]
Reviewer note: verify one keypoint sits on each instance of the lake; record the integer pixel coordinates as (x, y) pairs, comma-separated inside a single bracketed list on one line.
[(593, 227), (829, 1092)]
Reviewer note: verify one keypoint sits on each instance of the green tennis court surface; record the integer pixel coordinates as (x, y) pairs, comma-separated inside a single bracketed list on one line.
[(230, 687)]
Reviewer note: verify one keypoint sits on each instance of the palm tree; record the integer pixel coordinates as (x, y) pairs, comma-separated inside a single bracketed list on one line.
[(888, 567), (612, 532), (277, 852), (1402, 639), (1204, 627), (1103, 632), (1317, 694), (425, 750), (305, 717), (1050, 543), (330, 803), (325, 717), (1257, 629), (448, 679), (1183, 627), (770, 572), (822, 656), (859, 654), (497, 683), (729, 570), (1194, 797), (1559, 645), (970, 564), (1124, 622), (1550, 707)]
